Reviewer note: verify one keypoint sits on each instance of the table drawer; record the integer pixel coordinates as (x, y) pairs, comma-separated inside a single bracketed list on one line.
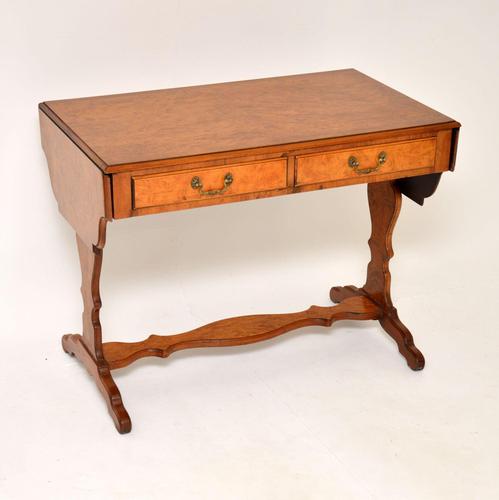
[(365, 161), (200, 185)]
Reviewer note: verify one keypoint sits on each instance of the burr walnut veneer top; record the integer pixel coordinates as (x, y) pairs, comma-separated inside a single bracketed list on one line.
[(133, 129)]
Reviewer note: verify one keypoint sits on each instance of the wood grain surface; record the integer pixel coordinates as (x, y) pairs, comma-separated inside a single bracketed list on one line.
[(142, 127), (332, 166), (82, 191), (175, 188)]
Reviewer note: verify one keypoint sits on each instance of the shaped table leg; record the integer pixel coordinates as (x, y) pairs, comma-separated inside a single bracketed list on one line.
[(88, 347), (384, 205)]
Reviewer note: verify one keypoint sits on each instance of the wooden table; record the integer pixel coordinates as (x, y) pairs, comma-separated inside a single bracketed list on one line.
[(119, 156)]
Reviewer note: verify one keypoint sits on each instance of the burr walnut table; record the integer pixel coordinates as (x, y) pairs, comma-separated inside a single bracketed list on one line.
[(119, 156)]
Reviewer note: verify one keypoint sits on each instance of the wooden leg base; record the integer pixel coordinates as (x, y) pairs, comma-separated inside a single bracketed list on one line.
[(74, 345), (389, 321), (372, 301)]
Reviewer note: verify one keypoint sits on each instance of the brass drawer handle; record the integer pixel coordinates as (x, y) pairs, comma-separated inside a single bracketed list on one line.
[(354, 163), (197, 183)]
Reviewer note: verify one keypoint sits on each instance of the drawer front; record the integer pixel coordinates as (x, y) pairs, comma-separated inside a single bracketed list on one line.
[(201, 185), (364, 162)]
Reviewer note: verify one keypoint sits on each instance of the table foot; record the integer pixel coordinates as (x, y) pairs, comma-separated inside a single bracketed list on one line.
[(389, 321), (392, 325), (238, 331), (74, 345)]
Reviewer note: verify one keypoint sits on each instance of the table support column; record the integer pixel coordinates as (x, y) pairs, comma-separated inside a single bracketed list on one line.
[(88, 346), (384, 205)]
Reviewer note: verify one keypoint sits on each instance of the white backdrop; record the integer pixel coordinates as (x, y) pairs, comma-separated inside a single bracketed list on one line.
[(316, 414)]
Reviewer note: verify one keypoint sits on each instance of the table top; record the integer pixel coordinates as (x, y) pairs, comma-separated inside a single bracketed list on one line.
[(184, 122)]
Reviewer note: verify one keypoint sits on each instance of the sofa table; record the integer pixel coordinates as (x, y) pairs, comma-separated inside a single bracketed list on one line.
[(118, 156)]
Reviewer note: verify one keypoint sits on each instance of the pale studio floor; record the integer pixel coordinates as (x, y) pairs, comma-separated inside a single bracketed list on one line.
[(315, 414)]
